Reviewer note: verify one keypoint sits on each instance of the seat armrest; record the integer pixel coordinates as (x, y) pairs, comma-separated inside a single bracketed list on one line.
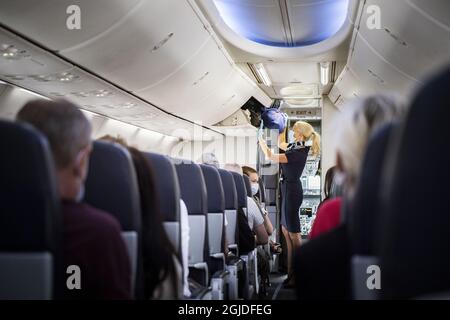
[(200, 293), (220, 274), (219, 256), (236, 261), (201, 266), (234, 248)]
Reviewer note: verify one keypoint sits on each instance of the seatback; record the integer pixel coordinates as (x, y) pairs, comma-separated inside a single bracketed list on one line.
[(168, 193), (270, 198), (364, 214), (112, 186), (416, 221), (253, 273), (241, 191), (231, 205), (193, 193), (216, 207), (365, 208), (31, 265), (271, 183), (261, 192), (248, 186)]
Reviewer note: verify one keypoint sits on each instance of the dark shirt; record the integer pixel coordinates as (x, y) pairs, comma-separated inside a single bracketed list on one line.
[(93, 241), (296, 155), (322, 267)]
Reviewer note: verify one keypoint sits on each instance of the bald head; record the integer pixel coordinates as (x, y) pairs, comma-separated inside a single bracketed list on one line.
[(65, 126)]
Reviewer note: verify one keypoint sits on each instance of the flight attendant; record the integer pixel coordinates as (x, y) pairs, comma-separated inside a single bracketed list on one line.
[(292, 164)]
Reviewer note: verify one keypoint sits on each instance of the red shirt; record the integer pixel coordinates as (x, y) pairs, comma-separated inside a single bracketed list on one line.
[(328, 217)]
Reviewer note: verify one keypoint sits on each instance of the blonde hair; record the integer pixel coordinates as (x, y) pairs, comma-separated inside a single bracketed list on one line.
[(307, 131)]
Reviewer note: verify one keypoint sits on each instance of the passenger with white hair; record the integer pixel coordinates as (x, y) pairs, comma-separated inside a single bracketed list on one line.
[(209, 158), (354, 127), (233, 167)]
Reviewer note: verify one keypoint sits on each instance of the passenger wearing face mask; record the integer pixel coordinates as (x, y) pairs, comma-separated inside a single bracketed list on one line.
[(254, 216), (254, 204), (91, 237)]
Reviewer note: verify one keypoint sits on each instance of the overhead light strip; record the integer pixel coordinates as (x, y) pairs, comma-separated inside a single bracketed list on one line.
[(262, 73), (284, 11), (324, 73)]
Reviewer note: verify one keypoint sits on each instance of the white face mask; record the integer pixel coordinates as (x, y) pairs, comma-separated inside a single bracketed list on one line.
[(339, 178), (80, 194), (255, 188), (338, 184)]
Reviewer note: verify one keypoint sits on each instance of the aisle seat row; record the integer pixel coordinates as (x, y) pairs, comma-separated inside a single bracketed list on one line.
[(213, 198)]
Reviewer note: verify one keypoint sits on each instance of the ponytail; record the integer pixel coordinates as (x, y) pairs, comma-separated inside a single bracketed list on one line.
[(315, 143), (307, 131)]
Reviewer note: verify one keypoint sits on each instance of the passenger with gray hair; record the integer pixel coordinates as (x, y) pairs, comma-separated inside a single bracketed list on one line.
[(209, 158), (323, 268), (354, 127), (91, 238)]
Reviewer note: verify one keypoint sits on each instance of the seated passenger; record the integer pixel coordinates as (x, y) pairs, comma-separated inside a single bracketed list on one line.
[(329, 185), (254, 208), (322, 268), (91, 238), (254, 217), (254, 204), (162, 271), (209, 159), (356, 125), (328, 216), (329, 208), (233, 167)]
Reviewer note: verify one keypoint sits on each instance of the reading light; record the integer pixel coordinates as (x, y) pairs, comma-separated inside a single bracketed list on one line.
[(263, 75), (10, 52), (62, 77), (101, 93), (324, 73), (66, 77)]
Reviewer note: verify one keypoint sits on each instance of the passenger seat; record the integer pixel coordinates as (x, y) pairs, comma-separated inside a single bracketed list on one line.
[(168, 193), (414, 256), (216, 224), (193, 193), (31, 265), (234, 264), (112, 186), (249, 258), (365, 212)]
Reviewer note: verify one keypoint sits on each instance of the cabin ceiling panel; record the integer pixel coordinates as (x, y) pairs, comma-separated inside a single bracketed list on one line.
[(151, 45), (183, 92), (407, 39), (46, 21), (377, 73)]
